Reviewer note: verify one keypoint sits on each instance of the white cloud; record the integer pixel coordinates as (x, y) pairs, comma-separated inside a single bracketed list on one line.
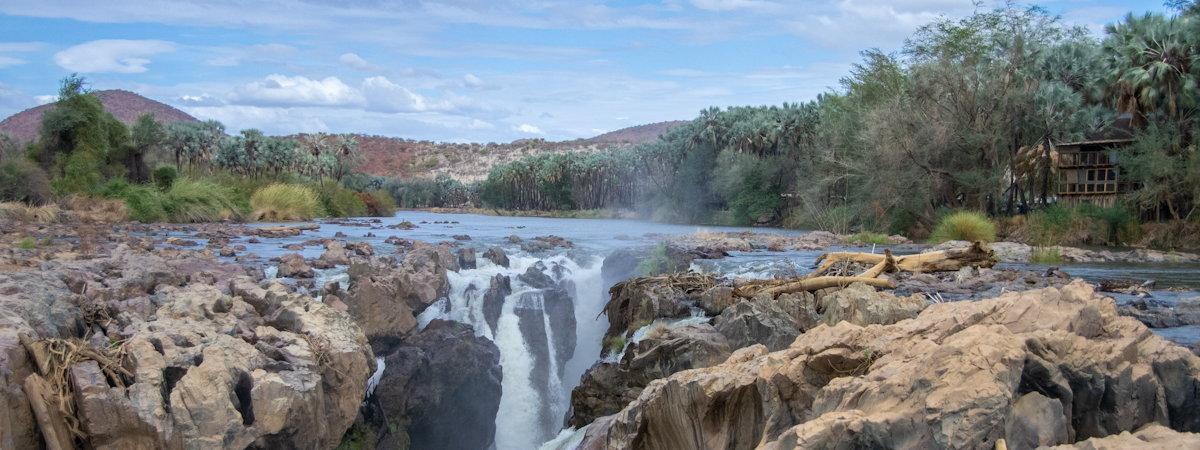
[(111, 55), (20, 46), (282, 90), (528, 129), (384, 95), (6, 61), (353, 61), (472, 80)]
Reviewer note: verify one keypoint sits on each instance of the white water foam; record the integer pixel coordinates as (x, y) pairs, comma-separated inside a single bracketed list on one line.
[(518, 421)]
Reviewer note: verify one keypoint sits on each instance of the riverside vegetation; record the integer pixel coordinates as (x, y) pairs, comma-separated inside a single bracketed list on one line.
[(201, 174), (959, 120)]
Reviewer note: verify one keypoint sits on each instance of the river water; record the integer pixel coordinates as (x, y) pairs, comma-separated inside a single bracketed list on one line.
[(541, 367)]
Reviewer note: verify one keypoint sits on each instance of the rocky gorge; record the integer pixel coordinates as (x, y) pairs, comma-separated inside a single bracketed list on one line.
[(437, 334)]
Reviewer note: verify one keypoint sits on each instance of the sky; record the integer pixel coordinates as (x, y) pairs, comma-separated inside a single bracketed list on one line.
[(462, 70)]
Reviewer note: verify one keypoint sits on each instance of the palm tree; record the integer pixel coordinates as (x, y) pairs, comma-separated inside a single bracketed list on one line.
[(1153, 65)]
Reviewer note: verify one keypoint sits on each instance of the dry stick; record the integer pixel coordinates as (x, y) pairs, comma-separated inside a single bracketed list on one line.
[(53, 426)]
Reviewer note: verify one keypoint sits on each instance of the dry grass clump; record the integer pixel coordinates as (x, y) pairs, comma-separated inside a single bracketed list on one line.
[(97, 210), (964, 226), (20, 212)]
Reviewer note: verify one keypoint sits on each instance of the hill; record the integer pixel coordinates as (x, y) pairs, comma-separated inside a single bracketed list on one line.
[(125, 105), (471, 161)]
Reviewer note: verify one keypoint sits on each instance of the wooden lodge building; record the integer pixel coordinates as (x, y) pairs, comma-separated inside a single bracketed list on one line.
[(1089, 171)]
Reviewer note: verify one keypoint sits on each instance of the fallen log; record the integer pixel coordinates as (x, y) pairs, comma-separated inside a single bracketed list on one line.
[(976, 255), (825, 275), (818, 283)]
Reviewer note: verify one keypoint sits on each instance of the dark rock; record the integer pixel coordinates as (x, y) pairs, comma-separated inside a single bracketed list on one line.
[(493, 299), (444, 384), (466, 258), (536, 278), (497, 256), (1156, 314)]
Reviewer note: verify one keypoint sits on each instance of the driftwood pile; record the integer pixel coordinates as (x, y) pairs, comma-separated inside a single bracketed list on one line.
[(832, 266), (50, 391)]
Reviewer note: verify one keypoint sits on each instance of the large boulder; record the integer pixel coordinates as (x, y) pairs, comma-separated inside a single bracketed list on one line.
[(441, 388), (1149, 436), (639, 301), (860, 304), (956, 376), (384, 297), (773, 322), (497, 256), (292, 265)]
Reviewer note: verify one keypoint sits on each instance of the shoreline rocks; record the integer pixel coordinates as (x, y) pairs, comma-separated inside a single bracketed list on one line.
[(951, 377)]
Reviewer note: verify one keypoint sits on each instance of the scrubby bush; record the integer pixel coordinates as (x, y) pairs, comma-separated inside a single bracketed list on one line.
[(200, 201), (165, 176), (281, 202), (378, 203), (867, 237), (656, 263), (23, 181), (964, 226), (1045, 255), (144, 203), (338, 201)]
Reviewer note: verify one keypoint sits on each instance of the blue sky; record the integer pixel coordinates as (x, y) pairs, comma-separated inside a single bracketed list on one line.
[(461, 70)]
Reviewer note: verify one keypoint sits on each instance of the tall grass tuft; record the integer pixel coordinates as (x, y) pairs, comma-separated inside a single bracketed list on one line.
[(283, 202), (964, 226), (338, 201), (379, 203), (190, 200)]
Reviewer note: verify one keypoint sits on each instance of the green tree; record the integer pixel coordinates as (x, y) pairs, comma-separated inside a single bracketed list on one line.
[(147, 135)]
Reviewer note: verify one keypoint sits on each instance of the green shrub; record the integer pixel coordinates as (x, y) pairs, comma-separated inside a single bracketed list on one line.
[(378, 203), (867, 237), (1045, 255), (165, 177), (26, 244), (964, 226), (144, 203), (341, 202), (282, 202), (656, 263), (23, 181), (81, 174), (615, 344), (1114, 225), (200, 201)]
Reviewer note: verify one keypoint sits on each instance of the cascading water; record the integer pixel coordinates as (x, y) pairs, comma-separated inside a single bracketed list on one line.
[(545, 329)]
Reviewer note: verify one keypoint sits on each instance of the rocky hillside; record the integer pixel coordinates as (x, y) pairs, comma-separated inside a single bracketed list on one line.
[(471, 161), (125, 105)]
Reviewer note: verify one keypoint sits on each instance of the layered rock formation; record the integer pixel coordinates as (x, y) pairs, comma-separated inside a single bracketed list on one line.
[(960, 375), (206, 357)]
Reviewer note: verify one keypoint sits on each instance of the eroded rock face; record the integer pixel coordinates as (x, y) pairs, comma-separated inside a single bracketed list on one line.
[(216, 361), (385, 297), (773, 322), (860, 304), (639, 301), (441, 387), (959, 375), (608, 387), (500, 287)]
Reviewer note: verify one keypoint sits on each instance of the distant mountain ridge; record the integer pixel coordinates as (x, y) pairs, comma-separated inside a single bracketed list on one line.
[(383, 155), (126, 106)]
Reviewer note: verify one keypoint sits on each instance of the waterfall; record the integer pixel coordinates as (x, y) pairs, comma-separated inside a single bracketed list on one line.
[(536, 384)]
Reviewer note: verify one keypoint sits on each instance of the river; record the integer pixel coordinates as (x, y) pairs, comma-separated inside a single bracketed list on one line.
[(536, 393)]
